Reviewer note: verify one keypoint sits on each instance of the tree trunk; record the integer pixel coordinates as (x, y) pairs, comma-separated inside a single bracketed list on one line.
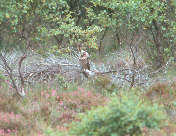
[(157, 40)]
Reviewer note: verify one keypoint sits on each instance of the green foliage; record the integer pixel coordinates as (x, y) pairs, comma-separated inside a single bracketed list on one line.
[(154, 18), (46, 23), (104, 83), (17, 23), (51, 132), (124, 115), (29, 23), (2, 78), (174, 134), (61, 82)]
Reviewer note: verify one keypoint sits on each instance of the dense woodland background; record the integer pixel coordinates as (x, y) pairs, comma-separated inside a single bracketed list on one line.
[(132, 47)]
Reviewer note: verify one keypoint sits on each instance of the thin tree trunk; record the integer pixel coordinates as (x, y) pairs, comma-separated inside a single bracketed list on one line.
[(117, 37), (10, 73), (157, 41), (101, 40), (59, 40), (19, 71)]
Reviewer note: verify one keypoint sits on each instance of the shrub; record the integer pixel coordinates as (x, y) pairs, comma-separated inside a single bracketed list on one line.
[(159, 89), (10, 123), (2, 78), (62, 82), (71, 103), (103, 84), (163, 91), (8, 104), (123, 116), (51, 132)]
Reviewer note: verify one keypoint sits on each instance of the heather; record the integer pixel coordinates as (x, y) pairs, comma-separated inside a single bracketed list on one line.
[(44, 108), (58, 111)]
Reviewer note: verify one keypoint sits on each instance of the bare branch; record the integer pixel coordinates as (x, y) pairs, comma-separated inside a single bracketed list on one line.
[(19, 70), (9, 72)]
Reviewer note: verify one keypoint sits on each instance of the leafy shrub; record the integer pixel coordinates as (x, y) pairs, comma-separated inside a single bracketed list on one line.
[(123, 116), (51, 132), (61, 81), (103, 84)]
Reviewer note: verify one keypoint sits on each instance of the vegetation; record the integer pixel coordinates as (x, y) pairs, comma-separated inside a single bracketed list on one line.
[(129, 88), (124, 115)]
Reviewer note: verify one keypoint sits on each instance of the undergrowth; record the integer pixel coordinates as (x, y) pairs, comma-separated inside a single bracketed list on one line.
[(48, 110), (43, 107)]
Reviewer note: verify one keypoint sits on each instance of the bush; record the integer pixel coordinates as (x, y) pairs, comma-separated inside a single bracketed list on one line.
[(123, 116), (51, 132), (104, 83), (163, 91), (79, 101), (10, 123), (8, 104)]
